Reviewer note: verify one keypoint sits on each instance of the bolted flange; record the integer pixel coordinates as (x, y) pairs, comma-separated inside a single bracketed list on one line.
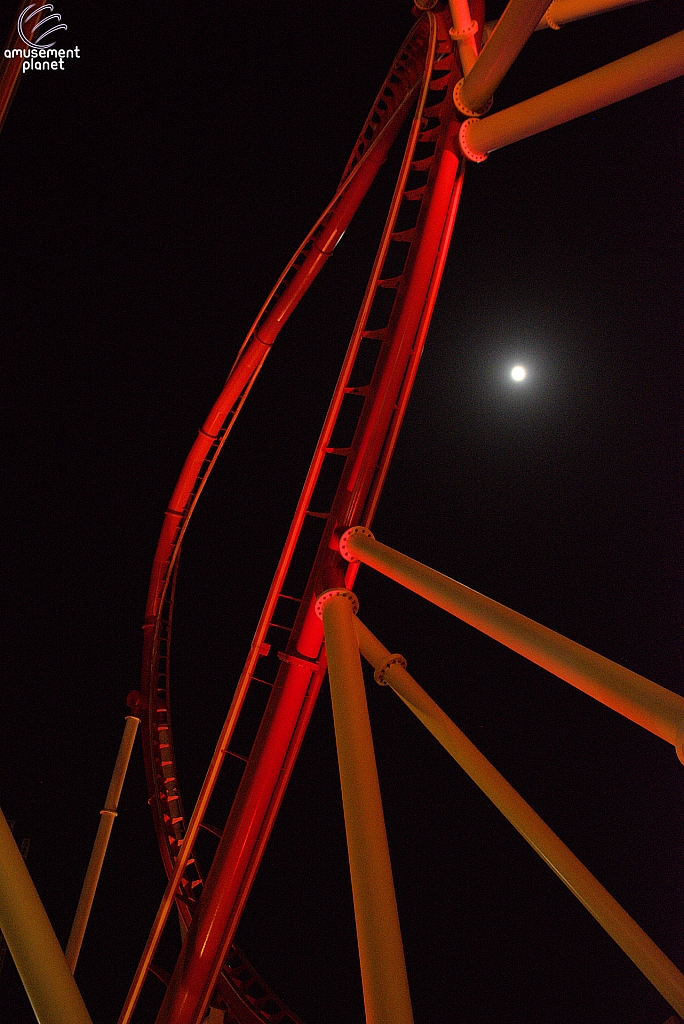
[(394, 659), (471, 154), (344, 550), (336, 592), (679, 743), (463, 33), (460, 105), (548, 18)]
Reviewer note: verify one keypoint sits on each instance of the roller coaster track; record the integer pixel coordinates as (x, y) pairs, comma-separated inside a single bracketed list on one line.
[(388, 113), (292, 656), (287, 660), (341, 490)]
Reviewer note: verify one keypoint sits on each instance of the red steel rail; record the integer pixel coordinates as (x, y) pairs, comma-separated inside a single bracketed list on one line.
[(430, 184), (239, 981), (11, 67)]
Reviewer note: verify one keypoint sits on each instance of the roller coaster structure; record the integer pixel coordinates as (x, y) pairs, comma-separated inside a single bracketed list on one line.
[(438, 79)]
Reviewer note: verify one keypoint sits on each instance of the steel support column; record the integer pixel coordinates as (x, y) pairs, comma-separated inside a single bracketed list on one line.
[(623, 929), (383, 971), (463, 33), (104, 831), (32, 942), (635, 73), (637, 698), (562, 12), (513, 29)]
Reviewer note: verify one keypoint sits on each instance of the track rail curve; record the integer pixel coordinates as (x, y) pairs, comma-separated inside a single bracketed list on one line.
[(239, 982)]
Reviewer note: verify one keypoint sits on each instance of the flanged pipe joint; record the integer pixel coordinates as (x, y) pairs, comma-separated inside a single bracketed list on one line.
[(328, 595), (353, 531)]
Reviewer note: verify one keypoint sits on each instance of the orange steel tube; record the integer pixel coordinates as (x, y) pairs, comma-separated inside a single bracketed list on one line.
[(383, 971), (464, 33), (39, 959), (513, 29), (641, 949), (653, 65), (644, 702), (104, 831), (562, 12)]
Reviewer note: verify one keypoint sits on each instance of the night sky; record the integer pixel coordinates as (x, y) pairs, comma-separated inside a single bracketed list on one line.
[(152, 193)]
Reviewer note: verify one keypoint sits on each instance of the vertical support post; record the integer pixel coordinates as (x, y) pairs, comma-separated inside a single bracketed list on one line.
[(463, 33), (32, 942), (107, 816), (383, 970)]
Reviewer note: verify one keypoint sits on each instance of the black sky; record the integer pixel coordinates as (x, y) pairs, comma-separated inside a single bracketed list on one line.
[(152, 192)]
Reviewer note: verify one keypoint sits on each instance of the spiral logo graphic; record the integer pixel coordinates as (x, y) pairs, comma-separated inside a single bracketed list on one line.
[(29, 13)]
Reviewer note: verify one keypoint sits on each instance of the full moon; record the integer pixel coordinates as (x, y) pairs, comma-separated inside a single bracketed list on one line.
[(518, 373)]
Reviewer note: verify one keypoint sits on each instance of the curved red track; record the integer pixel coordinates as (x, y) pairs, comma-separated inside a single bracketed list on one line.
[(392, 324)]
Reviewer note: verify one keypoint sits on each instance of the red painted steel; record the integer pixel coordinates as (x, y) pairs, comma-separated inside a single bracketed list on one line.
[(365, 465), (389, 110), (11, 67), (433, 189)]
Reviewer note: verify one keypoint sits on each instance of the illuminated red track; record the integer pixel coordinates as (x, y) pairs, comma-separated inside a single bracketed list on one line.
[(441, 69), (389, 334)]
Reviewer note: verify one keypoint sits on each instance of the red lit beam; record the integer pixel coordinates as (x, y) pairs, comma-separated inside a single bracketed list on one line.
[(276, 744), (10, 67), (390, 109)]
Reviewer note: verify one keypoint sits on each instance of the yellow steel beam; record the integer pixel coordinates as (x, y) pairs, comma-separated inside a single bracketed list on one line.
[(381, 954), (562, 12), (32, 942), (513, 29), (649, 958), (463, 33), (651, 66), (104, 831), (637, 698)]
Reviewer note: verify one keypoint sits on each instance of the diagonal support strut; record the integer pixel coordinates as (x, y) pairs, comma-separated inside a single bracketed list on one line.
[(642, 701), (623, 929)]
